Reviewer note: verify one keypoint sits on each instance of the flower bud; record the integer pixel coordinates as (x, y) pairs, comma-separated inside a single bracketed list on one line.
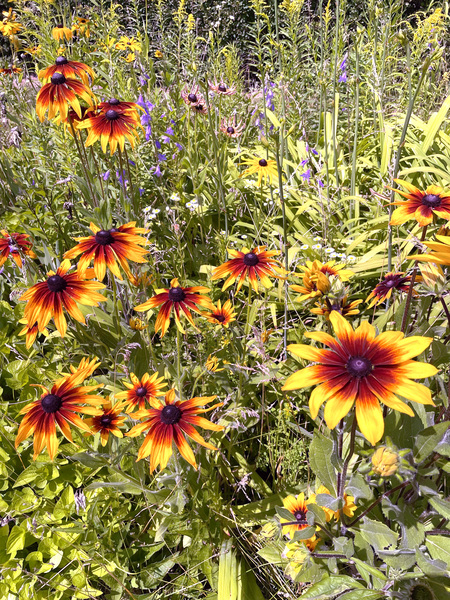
[(385, 461), (433, 278)]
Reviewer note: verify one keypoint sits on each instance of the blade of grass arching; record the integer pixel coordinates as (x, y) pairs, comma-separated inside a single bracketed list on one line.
[(227, 588), (434, 124)]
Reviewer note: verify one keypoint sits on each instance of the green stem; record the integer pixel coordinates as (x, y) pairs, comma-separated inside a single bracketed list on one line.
[(285, 250), (247, 324), (355, 138), (411, 286)]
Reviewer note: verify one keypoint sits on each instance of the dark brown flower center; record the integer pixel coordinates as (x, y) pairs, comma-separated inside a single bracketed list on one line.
[(58, 79), (56, 283), (199, 107), (222, 88), (170, 414), (263, 162), (51, 403), (219, 318), (300, 514), (104, 237), (176, 294), (141, 391), (431, 200), (60, 26), (106, 420), (358, 366), (114, 102), (192, 98), (112, 115), (61, 60), (250, 259), (390, 283), (230, 130)]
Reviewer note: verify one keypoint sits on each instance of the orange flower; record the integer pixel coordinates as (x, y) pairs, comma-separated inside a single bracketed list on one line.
[(341, 305), (14, 244), (60, 93), (297, 506), (30, 332), (178, 298), (254, 263), (362, 369), (59, 406), (169, 422), (384, 289), (421, 206), (60, 32), (112, 126), (119, 106), (108, 421), (141, 391), (61, 289), (221, 315), (69, 68), (107, 246)]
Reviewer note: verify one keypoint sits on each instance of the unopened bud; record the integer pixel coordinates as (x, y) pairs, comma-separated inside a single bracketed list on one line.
[(385, 461)]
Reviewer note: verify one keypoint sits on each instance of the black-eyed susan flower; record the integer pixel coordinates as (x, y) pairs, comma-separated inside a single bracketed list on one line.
[(251, 264), (212, 364), (169, 422), (158, 54), (141, 391), (15, 245), (12, 70), (30, 332), (362, 369), (71, 69), (220, 315), (60, 32), (341, 305), (58, 94), (82, 26), (58, 406), (137, 324), (315, 284), (107, 421), (200, 108), (440, 251), (265, 168), (111, 127), (119, 106), (107, 247), (383, 290), (9, 26), (231, 128), (420, 205), (130, 44), (330, 269), (298, 507), (193, 96), (348, 509), (60, 290), (181, 299), (221, 88)]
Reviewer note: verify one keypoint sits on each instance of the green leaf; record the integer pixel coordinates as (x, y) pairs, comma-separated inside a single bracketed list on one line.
[(439, 548), (428, 439), (378, 535), (366, 572), (362, 595), (122, 486), (16, 540), (320, 453), (441, 505), (358, 488), (431, 567), (329, 587), (304, 534)]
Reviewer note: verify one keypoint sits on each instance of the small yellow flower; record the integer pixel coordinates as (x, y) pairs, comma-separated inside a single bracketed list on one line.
[(266, 169), (212, 364), (137, 324), (158, 54), (385, 461), (130, 58), (130, 44), (60, 32)]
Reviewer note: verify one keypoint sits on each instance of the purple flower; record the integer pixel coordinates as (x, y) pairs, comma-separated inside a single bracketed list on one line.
[(148, 132), (179, 146), (141, 191), (143, 78), (162, 157), (343, 77), (307, 175), (158, 144), (321, 183), (303, 163), (131, 162), (157, 171), (106, 175), (165, 139), (169, 131)]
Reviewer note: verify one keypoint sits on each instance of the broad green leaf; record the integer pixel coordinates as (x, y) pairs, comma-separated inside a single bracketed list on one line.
[(16, 540), (439, 548), (362, 595), (320, 453), (428, 439), (378, 535), (329, 587), (441, 505)]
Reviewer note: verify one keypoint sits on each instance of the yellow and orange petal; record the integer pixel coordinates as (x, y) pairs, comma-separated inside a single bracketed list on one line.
[(220, 315), (111, 127), (170, 422), (108, 421), (360, 369), (297, 506), (59, 407), (107, 247), (15, 245), (383, 290), (60, 33), (71, 69), (182, 300), (440, 251), (254, 264), (341, 305), (59, 94), (141, 391), (265, 168), (61, 290), (30, 332), (420, 205)]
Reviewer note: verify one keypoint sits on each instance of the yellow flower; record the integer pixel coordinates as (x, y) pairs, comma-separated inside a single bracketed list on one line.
[(60, 32), (130, 58), (385, 461), (130, 44), (158, 54), (266, 169), (137, 324), (212, 364)]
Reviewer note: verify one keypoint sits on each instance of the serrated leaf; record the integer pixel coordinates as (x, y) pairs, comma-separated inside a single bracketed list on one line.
[(441, 505), (378, 535), (439, 548)]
